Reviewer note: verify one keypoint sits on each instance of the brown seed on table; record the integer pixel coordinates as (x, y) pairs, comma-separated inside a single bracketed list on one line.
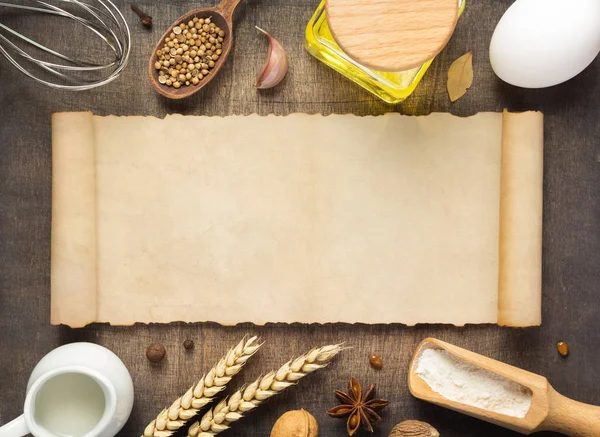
[(376, 362), (563, 348), (188, 344), (155, 352)]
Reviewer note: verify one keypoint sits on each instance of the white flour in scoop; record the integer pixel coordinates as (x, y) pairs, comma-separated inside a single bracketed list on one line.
[(463, 382)]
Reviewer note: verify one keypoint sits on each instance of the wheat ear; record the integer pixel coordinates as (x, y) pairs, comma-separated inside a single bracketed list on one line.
[(187, 406), (241, 402)]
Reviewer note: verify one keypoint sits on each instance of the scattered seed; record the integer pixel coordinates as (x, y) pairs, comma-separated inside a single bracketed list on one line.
[(188, 344), (563, 348), (376, 362), (156, 352)]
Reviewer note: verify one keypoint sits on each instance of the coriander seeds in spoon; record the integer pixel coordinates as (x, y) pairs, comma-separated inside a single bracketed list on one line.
[(192, 51)]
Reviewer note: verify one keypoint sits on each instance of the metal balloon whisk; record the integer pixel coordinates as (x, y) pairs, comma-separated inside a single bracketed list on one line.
[(52, 67)]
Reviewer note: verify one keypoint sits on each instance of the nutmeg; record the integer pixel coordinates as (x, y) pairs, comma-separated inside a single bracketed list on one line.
[(296, 423), (413, 428), (156, 352)]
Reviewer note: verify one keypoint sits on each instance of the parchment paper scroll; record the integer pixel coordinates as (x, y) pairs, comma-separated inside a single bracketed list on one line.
[(304, 218)]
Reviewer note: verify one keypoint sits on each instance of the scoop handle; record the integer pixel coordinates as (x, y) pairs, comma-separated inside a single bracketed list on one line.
[(227, 7), (571, 418)]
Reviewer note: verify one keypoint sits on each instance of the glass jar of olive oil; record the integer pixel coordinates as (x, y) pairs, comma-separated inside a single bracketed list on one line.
[(392, 87)]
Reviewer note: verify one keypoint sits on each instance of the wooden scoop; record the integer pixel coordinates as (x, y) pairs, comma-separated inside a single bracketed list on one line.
[(222, 16), (549, 411)]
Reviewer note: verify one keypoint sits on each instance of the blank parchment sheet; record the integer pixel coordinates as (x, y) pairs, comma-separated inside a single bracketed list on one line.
[(302, 218)]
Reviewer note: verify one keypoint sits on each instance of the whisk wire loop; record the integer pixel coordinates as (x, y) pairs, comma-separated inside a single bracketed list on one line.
[(102, 18)]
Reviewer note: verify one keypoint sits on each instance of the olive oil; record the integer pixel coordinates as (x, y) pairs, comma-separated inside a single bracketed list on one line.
[(392, 87)]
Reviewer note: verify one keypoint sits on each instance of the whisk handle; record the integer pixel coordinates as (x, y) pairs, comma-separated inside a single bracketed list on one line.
[(227, 7)]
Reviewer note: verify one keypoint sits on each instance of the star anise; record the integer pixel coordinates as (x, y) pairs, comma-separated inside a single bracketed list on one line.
[(359, 406)]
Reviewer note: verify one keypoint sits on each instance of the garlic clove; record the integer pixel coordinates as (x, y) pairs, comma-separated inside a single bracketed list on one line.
[(276, 65)]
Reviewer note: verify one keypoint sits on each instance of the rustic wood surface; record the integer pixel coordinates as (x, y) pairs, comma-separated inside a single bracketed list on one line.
[(571, 224)]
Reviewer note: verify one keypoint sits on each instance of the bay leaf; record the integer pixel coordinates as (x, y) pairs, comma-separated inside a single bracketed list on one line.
[(460, 76)]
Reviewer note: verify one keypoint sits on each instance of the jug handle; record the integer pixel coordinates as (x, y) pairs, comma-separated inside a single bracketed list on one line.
[(15, 428)]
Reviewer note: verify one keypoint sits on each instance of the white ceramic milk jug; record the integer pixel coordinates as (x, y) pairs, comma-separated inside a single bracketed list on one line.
[(77, 390)]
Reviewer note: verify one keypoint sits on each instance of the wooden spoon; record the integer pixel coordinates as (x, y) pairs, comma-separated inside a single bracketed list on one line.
[(549, 411), (222, 16)]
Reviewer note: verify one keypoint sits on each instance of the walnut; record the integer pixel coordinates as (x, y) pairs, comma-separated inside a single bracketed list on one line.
[(413, 428), (296, 423)]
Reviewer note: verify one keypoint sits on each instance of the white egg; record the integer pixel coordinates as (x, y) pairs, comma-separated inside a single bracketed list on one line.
[(540, 43)]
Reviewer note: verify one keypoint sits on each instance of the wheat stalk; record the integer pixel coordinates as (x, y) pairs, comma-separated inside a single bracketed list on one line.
[(241, 402), (199, 395)]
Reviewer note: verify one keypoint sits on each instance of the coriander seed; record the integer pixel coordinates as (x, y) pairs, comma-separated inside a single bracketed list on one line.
[(189, 52)]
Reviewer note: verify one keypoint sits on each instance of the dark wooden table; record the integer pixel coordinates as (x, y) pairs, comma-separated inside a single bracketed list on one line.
[(571, 225)]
